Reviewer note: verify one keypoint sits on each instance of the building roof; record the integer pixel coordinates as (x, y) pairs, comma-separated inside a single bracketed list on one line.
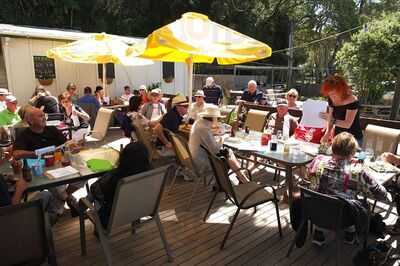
[(52, 33)]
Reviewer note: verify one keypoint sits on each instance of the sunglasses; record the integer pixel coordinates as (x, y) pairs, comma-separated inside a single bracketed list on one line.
[(291, 95)]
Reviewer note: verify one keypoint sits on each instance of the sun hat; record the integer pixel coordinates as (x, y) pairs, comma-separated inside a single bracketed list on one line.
[(211, 111), (282, 102), (4, 91), (11, 99), (179, 100), (199, 93), (156, 91)]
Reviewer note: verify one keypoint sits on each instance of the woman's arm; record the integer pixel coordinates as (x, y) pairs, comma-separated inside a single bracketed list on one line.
[(349, 119), (82, 114), (329, 126)]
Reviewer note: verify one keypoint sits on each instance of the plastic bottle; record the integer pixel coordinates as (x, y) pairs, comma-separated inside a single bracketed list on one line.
[(26, 172)]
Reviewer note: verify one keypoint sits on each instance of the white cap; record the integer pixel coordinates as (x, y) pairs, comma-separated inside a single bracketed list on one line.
[(11, 98), (4, 91), (199, 93), (156, 91)]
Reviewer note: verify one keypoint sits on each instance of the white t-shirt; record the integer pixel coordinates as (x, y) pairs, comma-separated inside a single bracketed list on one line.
[(157, 113)]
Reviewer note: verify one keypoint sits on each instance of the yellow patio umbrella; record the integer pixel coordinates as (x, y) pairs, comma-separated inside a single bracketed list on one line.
[(194, 38), (97, 49)]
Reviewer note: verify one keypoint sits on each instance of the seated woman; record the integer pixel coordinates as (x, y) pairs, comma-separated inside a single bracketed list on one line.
[(201, 134), (329, 175), (292, 96), (134, 114), (74, 116), (133, 160)]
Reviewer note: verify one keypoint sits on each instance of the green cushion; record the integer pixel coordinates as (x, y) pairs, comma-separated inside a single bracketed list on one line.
[(99, 165)]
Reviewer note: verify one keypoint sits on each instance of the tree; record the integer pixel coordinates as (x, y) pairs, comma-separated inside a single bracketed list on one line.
[(372, 58)]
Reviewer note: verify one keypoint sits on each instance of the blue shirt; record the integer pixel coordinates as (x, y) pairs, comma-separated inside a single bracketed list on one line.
[(255, 97), (213, 94), (89, 99)]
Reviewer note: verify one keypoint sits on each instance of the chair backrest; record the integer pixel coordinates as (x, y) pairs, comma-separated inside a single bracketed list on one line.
[(141, 135), (91, 109), (181, 149), (220, 170), (381, 139), (323, 210), (103, 119), (256, 119), (25, 235), (138, 196)]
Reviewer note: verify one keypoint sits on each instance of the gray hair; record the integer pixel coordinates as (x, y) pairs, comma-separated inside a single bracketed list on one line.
[(252, 82)]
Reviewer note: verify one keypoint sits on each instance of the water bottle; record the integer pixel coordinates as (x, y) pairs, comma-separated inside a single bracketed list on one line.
[(286, 127)]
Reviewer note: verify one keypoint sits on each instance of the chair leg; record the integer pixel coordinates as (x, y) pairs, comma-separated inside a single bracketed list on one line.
[(338, 247), (229, 229), (105, 245), (162, 235), (303, 223), (210, 205), (278, 217), (82, 233), (171, 185), (195, 184)]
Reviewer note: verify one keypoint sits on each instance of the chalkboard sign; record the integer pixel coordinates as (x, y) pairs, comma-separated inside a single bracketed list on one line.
[(44, 67)]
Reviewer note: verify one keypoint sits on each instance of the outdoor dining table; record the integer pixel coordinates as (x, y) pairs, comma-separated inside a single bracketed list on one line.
[(78, 162), (289, 161)]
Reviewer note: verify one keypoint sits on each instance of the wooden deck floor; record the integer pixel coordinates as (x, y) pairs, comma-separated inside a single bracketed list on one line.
[(254, 239)]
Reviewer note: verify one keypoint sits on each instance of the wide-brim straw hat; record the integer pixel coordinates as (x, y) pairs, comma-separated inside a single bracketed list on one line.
[(179, 100), (211, 111)]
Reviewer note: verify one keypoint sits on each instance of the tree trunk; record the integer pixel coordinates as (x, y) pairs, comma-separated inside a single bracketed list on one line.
[(396, 99)]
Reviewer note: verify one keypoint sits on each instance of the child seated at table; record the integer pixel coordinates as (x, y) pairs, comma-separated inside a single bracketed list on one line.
[(330, 175)]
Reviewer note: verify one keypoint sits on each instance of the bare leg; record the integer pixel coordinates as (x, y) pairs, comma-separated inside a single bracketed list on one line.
[(235, 166), (158, 131)]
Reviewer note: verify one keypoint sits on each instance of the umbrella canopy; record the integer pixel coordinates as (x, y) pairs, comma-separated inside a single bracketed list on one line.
[(97, 49), (195, 37)]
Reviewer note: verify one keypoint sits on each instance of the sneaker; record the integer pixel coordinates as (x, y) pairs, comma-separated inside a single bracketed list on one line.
[(318, 238), (350, 238)]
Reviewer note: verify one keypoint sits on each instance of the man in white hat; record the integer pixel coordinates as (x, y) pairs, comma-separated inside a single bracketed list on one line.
[(172, 119), (154, 110), (9, 116), (276, 121), (213, 92), (3, 93), (201, 134), (197, 107)]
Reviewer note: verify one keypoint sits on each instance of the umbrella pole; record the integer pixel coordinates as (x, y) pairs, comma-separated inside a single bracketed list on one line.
[(104, 79), (189, 63)]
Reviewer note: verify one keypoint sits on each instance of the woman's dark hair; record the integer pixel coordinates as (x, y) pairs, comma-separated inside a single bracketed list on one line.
[(87, 90), (133, 159), (136, 92), (98, 88), (134, 103)]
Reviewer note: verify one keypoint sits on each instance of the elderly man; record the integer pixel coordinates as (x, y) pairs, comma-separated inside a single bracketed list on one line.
[(213, 92), (154, 110), (252, 94), (37, 136), (9, 116), (3, 93), (172, 120), (277, 119), (197, 107)]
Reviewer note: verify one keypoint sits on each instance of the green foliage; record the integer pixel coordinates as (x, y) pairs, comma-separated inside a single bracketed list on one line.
[(372, 57)]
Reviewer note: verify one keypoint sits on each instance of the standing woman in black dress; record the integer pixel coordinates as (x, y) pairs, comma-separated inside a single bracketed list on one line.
[(344, 109)]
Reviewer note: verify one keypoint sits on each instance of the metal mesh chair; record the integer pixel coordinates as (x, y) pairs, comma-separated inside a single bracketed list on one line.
[(244, 196), (135, 197), (26, 237)]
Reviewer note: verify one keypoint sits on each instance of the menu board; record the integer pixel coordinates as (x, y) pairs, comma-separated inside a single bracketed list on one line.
[(44, 67)]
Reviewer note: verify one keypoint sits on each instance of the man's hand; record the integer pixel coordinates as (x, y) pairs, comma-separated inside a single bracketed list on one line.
[(391, 158), (20, 187), (73, 147)]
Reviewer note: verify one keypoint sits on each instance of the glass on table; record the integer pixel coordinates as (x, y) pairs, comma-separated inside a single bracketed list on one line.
[(369, 155)]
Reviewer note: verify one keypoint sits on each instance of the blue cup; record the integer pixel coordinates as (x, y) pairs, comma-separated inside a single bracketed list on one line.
[(37, 169)]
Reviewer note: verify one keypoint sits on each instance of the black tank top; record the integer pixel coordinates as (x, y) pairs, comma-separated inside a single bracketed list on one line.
[(339, 113)]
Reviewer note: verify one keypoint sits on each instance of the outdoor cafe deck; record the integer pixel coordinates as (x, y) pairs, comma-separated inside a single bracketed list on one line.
[(254, 239)]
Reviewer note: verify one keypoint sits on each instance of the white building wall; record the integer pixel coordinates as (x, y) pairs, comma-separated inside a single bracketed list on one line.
[(18, 58)]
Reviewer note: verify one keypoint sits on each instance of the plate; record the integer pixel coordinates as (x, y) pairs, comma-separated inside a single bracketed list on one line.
[(233, 140)]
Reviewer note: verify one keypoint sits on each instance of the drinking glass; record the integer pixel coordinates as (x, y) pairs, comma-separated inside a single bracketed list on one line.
[(369, 155)]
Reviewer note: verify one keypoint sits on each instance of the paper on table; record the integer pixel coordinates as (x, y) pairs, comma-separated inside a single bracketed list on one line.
[(61, 172), (311, 110)]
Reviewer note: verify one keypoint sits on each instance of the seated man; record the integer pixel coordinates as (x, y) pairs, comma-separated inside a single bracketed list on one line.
[(201, 134), (276, 120), (37, 136), (127, 94), (172, 119), (9, 116), (252, 94), (155, 109), (89, 98), (197, 107), (330, 176)]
